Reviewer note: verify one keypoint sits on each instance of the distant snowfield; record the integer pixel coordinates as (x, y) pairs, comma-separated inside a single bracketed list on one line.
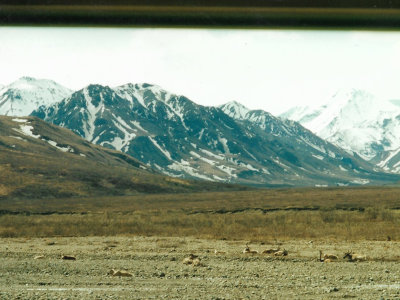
[(355, 121)]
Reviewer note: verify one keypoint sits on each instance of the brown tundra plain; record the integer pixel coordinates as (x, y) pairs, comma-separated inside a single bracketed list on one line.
[(190, 246)]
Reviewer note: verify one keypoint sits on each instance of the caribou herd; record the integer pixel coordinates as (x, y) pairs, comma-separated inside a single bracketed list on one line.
[(194, 260), (327, 257)]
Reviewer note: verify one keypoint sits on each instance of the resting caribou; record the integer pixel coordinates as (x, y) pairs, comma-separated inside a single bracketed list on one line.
[(354, 256), (327, 257), (283, 252), (193, 260), (270, 251), (121, 273), (248, 251)]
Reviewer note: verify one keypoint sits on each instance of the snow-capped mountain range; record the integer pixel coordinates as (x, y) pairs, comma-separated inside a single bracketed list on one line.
[(358, 122), (177, 137), (26, 94), (230, 143)]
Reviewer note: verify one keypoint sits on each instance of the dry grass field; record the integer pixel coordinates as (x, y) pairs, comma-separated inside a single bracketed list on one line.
[(337, 213)]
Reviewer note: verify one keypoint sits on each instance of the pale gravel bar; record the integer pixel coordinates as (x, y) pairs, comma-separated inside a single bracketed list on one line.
[(158, 272)]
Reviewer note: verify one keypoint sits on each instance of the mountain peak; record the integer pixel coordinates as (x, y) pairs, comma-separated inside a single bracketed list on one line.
[(27, 78), (345, 97), (33, 80), (143, 85), (29, 83), (351, 91), (235, 110), (235, 103), (25, 94), (24, 82), (95, 86)]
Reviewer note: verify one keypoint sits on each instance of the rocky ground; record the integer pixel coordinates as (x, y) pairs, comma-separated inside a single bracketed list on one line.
[(155, 264)]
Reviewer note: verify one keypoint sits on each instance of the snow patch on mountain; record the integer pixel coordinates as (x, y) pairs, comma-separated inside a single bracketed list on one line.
[(91, 112), (163, 151), (20, 120), (63, 149), (137, 125), (209, 153), (250, 167), (360, 181), (228, 170), (265, 171), (120, 142), (184, 166), (224, 143), (201, 134), (27, 130), (320, 157), (195, 154), (209, 161), (383, 163), (276, 160), (316, 147)]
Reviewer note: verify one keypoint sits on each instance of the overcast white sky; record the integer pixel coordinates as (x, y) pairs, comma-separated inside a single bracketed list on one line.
[(263, 69)]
